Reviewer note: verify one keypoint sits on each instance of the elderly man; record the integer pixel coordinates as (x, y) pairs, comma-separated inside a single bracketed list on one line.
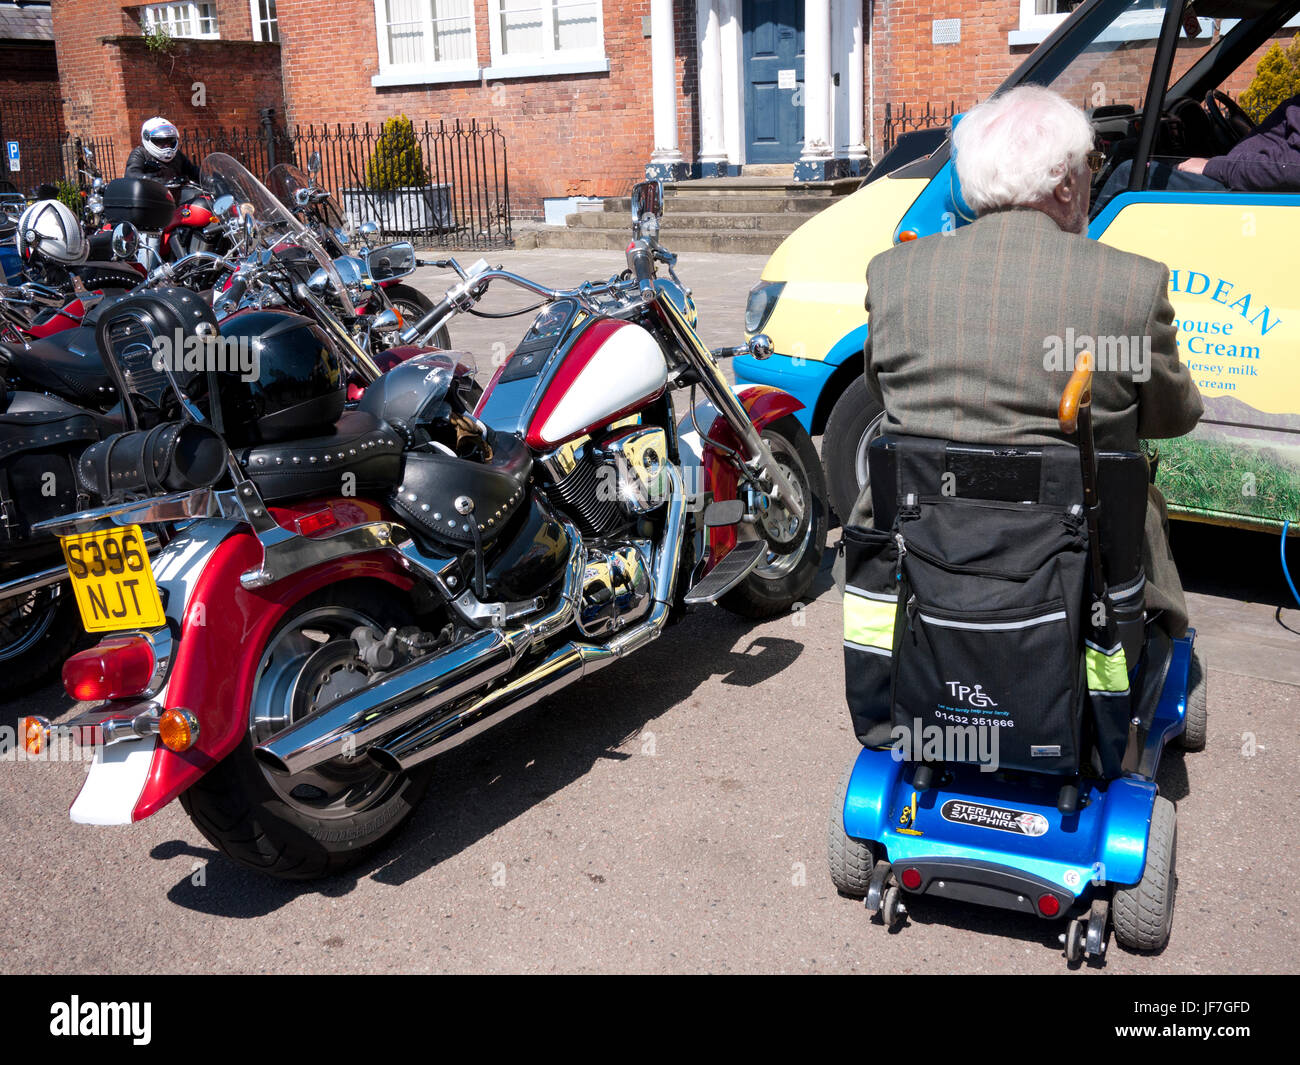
[(970, 331)]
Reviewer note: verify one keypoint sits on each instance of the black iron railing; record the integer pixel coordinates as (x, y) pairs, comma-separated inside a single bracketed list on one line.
[(453, 191), (902, 119)]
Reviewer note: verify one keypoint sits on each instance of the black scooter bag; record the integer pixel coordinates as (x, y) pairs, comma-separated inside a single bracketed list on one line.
[(988, 612)]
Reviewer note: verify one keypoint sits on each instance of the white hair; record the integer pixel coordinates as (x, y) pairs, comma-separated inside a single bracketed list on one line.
[(1015, 148)]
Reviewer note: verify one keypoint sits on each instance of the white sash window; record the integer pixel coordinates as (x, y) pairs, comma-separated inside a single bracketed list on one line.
[(424, 41)]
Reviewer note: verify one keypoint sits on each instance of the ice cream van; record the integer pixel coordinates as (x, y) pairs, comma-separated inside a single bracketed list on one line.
[(1234, 258)]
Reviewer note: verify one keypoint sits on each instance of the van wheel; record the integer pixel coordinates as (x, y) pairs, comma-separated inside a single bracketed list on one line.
[(844, 446)]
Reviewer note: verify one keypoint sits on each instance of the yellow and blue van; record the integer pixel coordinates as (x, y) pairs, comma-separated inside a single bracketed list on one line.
[(1154, 75)]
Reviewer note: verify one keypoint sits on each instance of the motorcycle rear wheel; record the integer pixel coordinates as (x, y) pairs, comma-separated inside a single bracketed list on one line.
[(321, 822), (795, 548), (37, 631)]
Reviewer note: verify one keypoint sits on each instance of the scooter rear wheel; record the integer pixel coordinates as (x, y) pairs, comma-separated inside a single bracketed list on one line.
[(1143, 915), (851, 860)]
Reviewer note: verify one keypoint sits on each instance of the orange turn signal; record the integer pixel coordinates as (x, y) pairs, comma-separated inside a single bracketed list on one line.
[(178, 729), (36, 734), (907, 234)]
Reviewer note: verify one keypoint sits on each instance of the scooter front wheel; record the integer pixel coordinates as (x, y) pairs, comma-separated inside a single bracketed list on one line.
[(318, 822)]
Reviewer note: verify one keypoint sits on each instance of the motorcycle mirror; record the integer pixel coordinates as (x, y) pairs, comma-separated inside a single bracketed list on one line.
[(386, 321), (126, 241), (88, 152), (313, 163), (223, 206), (647, 199)]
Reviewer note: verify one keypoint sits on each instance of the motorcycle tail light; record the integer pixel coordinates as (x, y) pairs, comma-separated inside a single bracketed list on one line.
[(320, 521), (114, 669), (36, 734), (178, 729)]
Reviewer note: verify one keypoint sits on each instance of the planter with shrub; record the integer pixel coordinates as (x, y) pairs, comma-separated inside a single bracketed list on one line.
[(398, 193)]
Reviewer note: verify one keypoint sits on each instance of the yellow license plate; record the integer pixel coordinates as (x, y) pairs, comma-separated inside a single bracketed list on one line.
[(113, 580)]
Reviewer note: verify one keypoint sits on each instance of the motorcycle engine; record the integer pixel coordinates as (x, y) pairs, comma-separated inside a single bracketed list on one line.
[(606, 484), (609, 481)]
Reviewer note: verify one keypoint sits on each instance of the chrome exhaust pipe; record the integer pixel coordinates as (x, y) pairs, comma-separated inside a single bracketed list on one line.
[(32, 582), (411, 694), (561, 668)]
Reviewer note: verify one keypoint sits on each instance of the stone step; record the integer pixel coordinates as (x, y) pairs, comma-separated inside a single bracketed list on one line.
[(675, 221), (738, 242)]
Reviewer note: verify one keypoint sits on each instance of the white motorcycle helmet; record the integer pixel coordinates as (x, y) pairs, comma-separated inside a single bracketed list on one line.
[(160, 139), (49, 229)]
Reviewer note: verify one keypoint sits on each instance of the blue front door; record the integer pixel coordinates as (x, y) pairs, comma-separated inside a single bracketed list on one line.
[(773, 77)]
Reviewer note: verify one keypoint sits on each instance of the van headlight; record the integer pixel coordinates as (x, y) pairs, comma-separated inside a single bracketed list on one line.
[(762, 298)]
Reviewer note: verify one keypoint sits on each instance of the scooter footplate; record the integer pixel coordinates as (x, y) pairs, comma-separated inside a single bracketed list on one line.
[(738, 564)]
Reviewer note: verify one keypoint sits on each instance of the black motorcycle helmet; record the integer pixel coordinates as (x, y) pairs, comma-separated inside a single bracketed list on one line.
[(295, 386)]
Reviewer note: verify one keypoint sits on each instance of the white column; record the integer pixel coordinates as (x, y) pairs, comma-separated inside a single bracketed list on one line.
[(817, 147), (663, 73), (733, 93), (857, 148), (709, 28)]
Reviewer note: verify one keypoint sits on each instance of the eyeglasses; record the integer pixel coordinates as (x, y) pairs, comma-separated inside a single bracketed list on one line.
[(1096, 159)]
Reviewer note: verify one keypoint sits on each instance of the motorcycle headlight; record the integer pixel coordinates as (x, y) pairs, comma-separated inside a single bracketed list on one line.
[(762, 299)]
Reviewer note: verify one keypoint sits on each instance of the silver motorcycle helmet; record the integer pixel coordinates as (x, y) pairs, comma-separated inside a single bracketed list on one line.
[(160, 138), (49, 229)]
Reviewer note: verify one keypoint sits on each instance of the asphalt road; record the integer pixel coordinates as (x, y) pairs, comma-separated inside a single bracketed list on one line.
[(669, 813)]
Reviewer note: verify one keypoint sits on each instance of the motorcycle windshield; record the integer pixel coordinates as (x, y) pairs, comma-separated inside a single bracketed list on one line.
[(276, 233), (286, 181)]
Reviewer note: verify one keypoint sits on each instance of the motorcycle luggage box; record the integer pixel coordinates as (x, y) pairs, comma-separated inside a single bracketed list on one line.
[(145, 204)]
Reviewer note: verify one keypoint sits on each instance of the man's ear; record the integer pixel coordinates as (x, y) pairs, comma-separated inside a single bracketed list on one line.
[(1065, 193)]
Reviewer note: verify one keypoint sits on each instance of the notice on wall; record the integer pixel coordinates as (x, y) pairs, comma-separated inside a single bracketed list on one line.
[(785, 79)]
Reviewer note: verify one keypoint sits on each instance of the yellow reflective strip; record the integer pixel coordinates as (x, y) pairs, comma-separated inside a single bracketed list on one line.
[(1106, 672), (869, 622)]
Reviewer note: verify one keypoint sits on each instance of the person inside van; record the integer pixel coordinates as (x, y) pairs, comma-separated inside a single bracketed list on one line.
[(963, 324), (1266, 161)]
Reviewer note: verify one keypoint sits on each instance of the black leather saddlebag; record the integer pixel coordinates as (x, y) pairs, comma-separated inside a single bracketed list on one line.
[(38, 479), (445, 496), (362, 454), (171, 457)]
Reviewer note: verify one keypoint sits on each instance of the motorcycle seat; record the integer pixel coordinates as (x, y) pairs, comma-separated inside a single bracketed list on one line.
[(433, 483), (360, 445), (67, 364), (95, 275)]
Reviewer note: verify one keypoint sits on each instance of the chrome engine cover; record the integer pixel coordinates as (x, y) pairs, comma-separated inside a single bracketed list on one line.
[(616, 587)]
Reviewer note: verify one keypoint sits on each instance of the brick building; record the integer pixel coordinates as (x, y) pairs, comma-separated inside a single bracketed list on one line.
[(590, 94)]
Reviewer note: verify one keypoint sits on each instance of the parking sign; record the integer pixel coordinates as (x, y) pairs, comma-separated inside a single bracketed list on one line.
[(13, 156)]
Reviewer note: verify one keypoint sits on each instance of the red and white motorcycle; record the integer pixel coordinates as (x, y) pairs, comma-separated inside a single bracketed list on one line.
[(346, 606)]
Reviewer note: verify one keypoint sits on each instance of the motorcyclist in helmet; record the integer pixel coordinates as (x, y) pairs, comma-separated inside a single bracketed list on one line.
[(158, 157)]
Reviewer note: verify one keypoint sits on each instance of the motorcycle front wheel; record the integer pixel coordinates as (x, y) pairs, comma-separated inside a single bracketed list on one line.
[(795, 546), (412, 305), (318, 822)]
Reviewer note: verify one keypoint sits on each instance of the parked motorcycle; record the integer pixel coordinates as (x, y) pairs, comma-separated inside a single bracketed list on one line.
[(74, 379), (317, 209), (356, 599)]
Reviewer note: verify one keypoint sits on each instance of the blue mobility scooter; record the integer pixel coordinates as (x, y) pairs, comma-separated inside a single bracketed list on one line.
[(1011, 695)]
